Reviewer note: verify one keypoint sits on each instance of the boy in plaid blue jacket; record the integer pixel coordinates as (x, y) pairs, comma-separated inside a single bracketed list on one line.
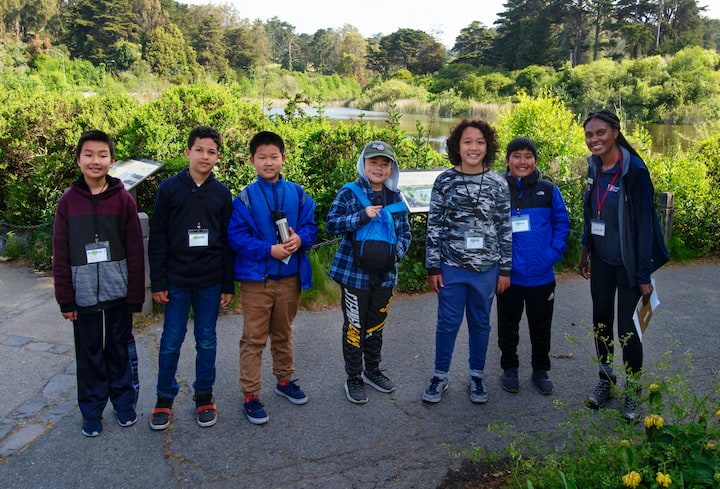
[(366, 294)]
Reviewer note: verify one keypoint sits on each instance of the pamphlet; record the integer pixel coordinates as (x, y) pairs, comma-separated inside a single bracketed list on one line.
[(643, 312)]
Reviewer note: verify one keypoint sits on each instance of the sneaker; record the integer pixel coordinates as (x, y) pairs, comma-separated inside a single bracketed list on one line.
[(477, 390), (355, 390), (601, 394), (542, 382), (631, 403), (434, 391), (254, 411), (161, 414), (291, 392), (509, 380), (127, 418), (205, 409), (378, 380), (630, 408), (92, 427)]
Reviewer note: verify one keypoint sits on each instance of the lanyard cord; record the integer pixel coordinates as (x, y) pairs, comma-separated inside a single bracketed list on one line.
[(473, 201), (282, 202), (600, 201)]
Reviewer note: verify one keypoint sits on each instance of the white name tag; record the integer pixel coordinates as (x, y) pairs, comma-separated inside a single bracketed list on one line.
[(520, 224), (597, 227), (474, 242), (198, 237), (97, 252)]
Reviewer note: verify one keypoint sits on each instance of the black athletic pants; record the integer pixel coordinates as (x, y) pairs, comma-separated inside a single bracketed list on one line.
[(539, 301), (365, 313)]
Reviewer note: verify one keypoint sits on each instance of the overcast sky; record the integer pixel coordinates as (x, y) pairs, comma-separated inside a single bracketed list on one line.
[(442, 19)]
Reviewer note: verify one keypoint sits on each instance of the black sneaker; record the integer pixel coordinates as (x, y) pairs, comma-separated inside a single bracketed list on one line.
[(161, 414), (92, 427), (509, 380), (378, 380), (542, 382), (205, 409), (355, 390), (601, 394), (127, 417)]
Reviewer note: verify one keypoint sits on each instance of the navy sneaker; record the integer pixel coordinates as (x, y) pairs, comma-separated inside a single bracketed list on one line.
[(92, 427), (205, 408), (291, 392), (435, 390), (254, 411), (478, 393), (127, 418), (509, 380), (161, 414), (542, 382)]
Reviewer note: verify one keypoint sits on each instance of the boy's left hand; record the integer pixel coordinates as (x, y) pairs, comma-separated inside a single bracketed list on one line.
[(292, 244), (225, 299), (503, 283)]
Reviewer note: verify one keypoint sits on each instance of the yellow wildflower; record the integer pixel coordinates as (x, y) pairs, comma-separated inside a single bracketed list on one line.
[(663, 479), (654, 387), (717, 413), (625, 443), (654, 420), (710, 446), (632, 479)]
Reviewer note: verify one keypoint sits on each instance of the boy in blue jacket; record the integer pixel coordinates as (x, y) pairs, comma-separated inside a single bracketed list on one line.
[(191, 266), (271, 228), (540, 225)]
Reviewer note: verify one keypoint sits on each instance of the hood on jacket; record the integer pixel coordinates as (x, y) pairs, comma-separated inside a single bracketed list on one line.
[(380, 148)]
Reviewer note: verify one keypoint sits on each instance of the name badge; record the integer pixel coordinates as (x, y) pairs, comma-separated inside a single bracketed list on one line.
[(520, 224), (473, 241), (198, 237), (97, 252), (597, 227)]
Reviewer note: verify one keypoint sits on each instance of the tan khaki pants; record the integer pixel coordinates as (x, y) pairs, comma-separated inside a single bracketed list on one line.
[(269, 309)]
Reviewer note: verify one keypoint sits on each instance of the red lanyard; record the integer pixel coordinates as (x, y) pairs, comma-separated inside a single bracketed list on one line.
[(597, 187)]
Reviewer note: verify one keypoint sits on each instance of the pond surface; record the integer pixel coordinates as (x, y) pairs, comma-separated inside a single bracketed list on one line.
[(664, 136)]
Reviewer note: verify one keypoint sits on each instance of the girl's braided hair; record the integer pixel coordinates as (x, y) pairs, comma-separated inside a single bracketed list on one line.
[(609, 117)]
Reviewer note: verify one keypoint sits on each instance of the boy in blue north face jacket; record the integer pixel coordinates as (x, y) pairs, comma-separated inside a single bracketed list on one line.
[(540, 225)]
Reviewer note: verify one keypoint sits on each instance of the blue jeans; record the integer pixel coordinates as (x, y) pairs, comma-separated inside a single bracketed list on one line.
[(205, 303), (464, 293)]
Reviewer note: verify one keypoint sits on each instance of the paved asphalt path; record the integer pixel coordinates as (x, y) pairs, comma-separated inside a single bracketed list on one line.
[(394, 441)]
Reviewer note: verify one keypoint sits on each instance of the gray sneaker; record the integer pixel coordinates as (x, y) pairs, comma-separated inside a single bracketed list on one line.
[(378, 380), (434, 391), (601, 394), (630, 408), (478, 393), (355, 390)]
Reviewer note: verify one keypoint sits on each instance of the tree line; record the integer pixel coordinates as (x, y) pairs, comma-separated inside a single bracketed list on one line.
[(184, 43)]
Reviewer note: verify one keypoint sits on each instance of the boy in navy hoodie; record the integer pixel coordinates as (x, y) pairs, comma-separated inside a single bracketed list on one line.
[(191, 266)]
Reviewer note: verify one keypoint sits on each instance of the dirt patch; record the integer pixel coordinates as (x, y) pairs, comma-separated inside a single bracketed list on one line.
[(478, 475)]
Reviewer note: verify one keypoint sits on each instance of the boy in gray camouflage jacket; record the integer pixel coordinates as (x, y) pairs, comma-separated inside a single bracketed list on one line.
[(468, 251)]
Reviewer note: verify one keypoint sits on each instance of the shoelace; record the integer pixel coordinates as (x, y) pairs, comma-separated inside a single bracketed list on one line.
[(602, 389), (478, 384), (434, 383)]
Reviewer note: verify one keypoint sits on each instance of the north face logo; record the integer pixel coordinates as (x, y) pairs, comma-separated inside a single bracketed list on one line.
[(540, 192)]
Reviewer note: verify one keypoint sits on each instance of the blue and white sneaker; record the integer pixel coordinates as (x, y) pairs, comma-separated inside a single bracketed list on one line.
[(435, 390), (127, 418), (291, 391), (478, 393), (92, 427)]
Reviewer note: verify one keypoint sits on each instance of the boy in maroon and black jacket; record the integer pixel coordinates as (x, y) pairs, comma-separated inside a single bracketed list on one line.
[(99, 272)]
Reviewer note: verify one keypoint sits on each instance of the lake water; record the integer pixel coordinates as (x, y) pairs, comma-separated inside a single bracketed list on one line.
[(664, 136)]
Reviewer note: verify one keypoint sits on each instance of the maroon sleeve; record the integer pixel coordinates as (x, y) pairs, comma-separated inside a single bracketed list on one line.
[(62, 273)]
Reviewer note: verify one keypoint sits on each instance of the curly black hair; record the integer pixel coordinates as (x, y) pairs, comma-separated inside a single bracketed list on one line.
[(452, 144)]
